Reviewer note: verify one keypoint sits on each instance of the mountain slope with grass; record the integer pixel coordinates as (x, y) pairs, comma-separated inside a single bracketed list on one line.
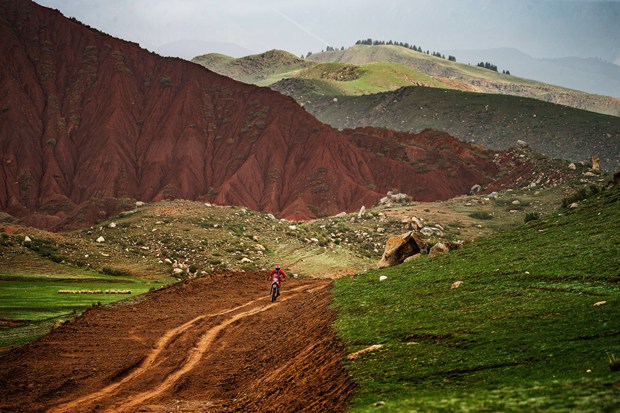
[(270, 67), (492, 120), (397, 88), (262, 69), (481, 79), (533, 325)]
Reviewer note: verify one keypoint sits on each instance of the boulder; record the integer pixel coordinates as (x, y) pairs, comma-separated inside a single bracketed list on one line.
[(394, 197), (417, 223), (430, 231), (100, 240), (456, 284), (596, 163), (398, 248), (438, 249), (475, 190), (361, 212), (617, 177), (413, 257)]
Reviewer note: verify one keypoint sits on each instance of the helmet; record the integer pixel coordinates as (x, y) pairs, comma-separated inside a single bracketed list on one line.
[(277, 266)]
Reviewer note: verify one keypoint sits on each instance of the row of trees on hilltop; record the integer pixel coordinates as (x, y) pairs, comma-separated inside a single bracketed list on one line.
[(492, 67), (371, 42), (374, 42)]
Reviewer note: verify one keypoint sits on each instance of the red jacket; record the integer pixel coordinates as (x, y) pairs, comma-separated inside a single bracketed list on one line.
[(281, 276)]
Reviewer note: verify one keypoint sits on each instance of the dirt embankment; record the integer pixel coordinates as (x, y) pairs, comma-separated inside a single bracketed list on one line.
[(214, 344)]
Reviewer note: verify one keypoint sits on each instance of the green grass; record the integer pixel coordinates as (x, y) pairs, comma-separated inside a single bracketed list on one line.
[(521, 334), (351, 80), (30, 303)]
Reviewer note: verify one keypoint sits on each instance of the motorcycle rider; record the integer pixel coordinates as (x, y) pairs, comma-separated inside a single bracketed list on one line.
[(277, 276)]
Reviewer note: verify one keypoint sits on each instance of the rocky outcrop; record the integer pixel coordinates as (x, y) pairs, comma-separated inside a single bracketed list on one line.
[(438, 249), (400, 247)]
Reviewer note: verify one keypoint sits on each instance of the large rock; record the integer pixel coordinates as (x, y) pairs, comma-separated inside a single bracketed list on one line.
[(438, 249), (398, 248), (475, 190)]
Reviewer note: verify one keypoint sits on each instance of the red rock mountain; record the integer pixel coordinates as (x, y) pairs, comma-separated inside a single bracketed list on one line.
[(89, 123)]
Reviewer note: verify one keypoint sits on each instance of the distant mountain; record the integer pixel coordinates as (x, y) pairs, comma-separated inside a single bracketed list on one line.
[(89, 124), (588, 75), (187, 49), (261, 69)]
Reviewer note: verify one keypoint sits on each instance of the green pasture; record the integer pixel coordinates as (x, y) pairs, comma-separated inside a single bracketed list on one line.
[(30, 304), (535, 326)]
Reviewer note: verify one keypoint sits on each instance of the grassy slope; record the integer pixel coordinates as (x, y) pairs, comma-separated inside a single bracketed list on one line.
[(270, 67), (30, 304), (333, 79), (492, 120), (261, 69), (521, 334), (472, 78)]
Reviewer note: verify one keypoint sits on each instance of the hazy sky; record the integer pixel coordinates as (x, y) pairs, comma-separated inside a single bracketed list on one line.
[(186, 28)]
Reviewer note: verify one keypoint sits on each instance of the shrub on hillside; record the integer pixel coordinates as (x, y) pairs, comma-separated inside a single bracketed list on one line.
[(481, 215)]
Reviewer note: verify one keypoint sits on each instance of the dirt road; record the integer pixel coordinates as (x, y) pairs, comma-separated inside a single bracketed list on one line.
[(214, 344)]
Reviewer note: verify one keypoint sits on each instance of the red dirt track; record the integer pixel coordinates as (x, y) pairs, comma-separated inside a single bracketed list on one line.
[(213, 344)]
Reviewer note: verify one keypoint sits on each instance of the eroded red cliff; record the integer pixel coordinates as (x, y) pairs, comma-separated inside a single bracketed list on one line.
[(89, 123)]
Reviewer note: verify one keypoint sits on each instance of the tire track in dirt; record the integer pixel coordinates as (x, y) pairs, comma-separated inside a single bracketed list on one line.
[(196, 353), (214, 344)]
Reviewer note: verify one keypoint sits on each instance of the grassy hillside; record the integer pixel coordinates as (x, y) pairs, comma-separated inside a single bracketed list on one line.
[(405, 67), (262, 69), (492, 120), (471, 78), (533, 327), (401, 89), (329, 78), (335, 79)]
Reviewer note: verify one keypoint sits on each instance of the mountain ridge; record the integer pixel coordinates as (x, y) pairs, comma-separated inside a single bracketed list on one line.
[(102, 123)]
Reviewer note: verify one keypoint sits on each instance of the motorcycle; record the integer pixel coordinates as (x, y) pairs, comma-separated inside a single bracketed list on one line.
[(274, 292)]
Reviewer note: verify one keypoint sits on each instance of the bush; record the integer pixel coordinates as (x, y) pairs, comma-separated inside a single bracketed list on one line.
[(531, 216), (480, 215), (114, 272), (614, 363), (580, 195)]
